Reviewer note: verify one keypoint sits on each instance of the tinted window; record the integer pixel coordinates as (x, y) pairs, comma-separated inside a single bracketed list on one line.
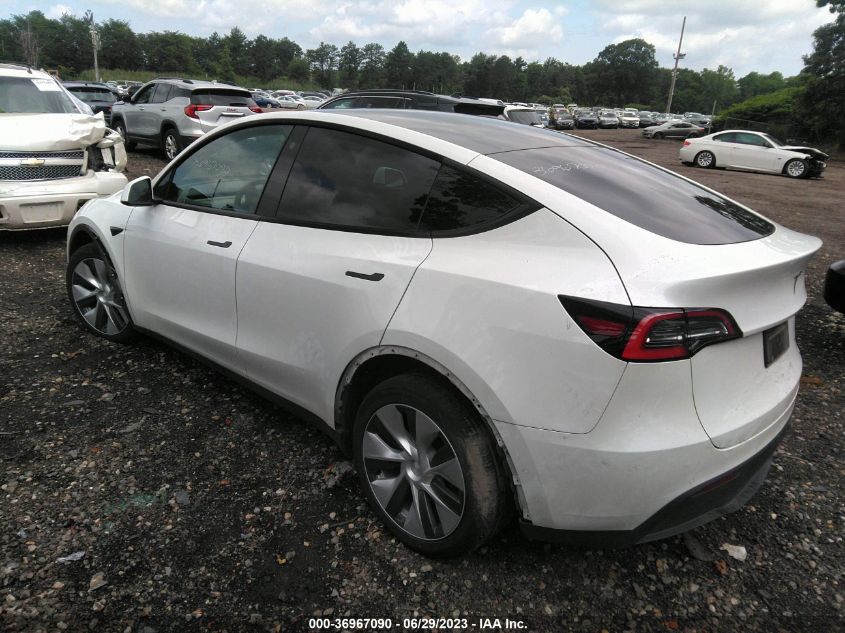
[(93, 94), (750, 139), (144, 95), (222, 97), (459, 200), (730, 137), (162, 93), (229, 173), (345, 180), (641, 194)]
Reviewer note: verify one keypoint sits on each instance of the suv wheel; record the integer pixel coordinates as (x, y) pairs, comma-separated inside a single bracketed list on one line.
[(96, 295), (120, 128), (428, 467), (171, 144)]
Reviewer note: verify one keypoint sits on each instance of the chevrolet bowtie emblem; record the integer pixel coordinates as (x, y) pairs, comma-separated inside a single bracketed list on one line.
[(32, 162)]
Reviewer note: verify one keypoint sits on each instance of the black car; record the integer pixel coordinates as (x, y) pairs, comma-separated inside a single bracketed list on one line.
[(586, 120), (412, 100), (563, 120), (99, 96), (834, 286)]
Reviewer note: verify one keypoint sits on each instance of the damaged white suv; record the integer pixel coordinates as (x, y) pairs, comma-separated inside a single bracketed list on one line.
[(54, 156)]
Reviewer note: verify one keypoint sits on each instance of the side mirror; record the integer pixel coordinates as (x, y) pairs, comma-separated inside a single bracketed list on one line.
[(138, 193)]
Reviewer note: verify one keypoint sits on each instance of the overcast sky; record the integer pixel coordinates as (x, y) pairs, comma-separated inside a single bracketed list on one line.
[(746, 35)]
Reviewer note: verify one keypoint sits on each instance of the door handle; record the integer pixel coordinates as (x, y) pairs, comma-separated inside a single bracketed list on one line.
[(373, 277), (220, 244), (163, 109)]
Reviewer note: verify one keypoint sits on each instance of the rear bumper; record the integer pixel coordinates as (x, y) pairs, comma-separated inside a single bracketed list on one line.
[(716, 497), (44, 204), (640, 472)]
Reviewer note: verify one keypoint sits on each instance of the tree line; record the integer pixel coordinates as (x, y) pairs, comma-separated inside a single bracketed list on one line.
[(622, 74)]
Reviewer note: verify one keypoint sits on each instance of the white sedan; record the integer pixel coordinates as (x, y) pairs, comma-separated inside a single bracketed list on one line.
[(753, 151), (467, 306)]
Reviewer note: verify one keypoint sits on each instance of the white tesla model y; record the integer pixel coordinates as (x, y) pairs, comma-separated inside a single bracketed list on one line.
[(488, 317)]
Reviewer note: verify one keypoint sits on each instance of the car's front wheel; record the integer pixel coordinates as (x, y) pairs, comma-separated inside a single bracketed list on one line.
[(797, 168), (429, 467), (96, 296), (657, 135), (705, 159)]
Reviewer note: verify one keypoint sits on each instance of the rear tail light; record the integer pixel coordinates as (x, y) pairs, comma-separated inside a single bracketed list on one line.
[(192, 109), (256, 109), (687, 143), (650, 334)]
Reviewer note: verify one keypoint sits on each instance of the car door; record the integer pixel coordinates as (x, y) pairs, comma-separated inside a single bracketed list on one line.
[(180, 254), (135, 110), (320, 284), (752, 151)]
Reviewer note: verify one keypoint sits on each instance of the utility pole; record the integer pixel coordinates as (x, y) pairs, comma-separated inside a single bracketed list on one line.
[(678, 57), (95, 44)]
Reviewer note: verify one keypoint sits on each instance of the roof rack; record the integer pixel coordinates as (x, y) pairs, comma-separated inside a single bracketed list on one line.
[(20, 65), (384, 91), (187, 81)]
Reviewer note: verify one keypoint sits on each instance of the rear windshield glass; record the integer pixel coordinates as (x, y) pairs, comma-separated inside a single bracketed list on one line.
[(222, 97), (24, 95), (92, 95), (641, 194), (526, 117)]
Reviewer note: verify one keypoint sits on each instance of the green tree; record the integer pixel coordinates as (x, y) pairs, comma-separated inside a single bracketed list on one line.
[(323, 60), (755, 83), (239, 50), (623, 72), (398, 66), (119, 46), (348, 64), (299, 69), (822, 103), (372, 66), (718, 86)]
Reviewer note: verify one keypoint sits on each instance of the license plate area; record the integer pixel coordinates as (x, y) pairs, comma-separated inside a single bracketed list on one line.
[(775, 342)]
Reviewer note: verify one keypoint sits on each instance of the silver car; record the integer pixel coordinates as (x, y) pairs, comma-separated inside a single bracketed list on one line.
[(171, 113)]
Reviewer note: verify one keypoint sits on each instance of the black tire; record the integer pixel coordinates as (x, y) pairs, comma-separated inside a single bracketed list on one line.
[(658, 135), (705, 160), (171, 143), (693, 135), (486, 500), (108, 317), (797, 168), (120, 128)]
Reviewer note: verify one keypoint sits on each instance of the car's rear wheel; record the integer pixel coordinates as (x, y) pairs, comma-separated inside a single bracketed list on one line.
[(693, 135), (797, 168), (96, 296), (300, 106), (705, 159), (120, 128), (429, 467), (171, 143)]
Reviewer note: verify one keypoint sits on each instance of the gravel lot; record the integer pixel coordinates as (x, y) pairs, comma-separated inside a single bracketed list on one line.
[(195, 505)]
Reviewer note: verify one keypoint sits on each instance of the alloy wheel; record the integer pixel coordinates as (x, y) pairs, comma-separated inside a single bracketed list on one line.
[(796, 168), (704, 159), (170, 147), (98, 298), (413, 472)]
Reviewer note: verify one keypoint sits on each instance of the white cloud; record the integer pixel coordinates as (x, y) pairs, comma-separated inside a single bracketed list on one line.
[(533, 27), (744, 36), (58, 10)]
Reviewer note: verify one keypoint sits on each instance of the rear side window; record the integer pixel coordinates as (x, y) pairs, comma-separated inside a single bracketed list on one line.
[(728, 137), (750, 139), (222, 97), (346, 181), (641, 194), (459, 201)]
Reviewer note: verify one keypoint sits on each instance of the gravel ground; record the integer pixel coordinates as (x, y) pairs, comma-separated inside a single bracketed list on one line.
[(143, 492)]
